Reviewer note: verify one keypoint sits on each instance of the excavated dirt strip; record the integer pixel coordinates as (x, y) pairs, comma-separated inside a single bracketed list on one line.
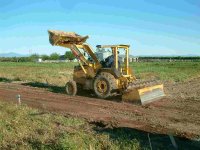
[(178, 114)]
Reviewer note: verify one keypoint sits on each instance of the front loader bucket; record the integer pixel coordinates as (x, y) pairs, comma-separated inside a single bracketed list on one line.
[(144, 95)]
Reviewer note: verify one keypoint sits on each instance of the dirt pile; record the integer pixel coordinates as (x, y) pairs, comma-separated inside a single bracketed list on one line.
[(59, 37), (186, 90)]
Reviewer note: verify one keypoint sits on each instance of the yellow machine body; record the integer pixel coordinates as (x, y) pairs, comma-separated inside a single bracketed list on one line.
[(93, 75)]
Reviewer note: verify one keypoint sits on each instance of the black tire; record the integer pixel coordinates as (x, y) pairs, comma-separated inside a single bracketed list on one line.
[(71, 88), (103, 85)]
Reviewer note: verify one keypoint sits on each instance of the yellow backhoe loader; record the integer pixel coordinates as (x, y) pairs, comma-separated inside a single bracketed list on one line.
[(105, 77)]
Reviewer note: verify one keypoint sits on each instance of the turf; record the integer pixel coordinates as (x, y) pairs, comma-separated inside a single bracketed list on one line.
[(59, 73), (26, 128), (167, 71), (22, 127)]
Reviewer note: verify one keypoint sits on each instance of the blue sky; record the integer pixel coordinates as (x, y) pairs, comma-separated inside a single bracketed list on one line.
[(151, 27)]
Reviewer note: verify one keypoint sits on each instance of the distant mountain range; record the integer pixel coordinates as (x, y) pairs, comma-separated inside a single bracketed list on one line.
[(12, 55)]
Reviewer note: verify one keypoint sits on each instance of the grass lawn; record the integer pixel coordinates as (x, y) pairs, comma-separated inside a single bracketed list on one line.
[(22, 127), (59, 73), (167, 71), (53, 73)]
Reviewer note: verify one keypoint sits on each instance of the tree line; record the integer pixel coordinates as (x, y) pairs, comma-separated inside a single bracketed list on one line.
[(34, 57), (168, 57)]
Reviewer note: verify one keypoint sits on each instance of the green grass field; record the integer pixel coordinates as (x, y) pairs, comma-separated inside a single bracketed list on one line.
[(59, 73), (52, 73), (167, 71), (25, 128)]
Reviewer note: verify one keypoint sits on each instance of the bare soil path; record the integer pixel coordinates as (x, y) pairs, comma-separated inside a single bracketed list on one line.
[(178, 114)]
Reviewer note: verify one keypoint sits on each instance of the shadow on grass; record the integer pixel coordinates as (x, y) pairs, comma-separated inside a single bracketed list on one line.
[(51, 88), (5, 80), (61, 90), (158, 141), (39, 113)]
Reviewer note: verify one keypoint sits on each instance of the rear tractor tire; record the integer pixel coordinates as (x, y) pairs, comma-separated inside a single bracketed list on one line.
[(71, 88), (103, 85)]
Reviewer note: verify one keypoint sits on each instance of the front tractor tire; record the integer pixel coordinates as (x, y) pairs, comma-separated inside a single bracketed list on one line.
[(103, 85), (71, 88)]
